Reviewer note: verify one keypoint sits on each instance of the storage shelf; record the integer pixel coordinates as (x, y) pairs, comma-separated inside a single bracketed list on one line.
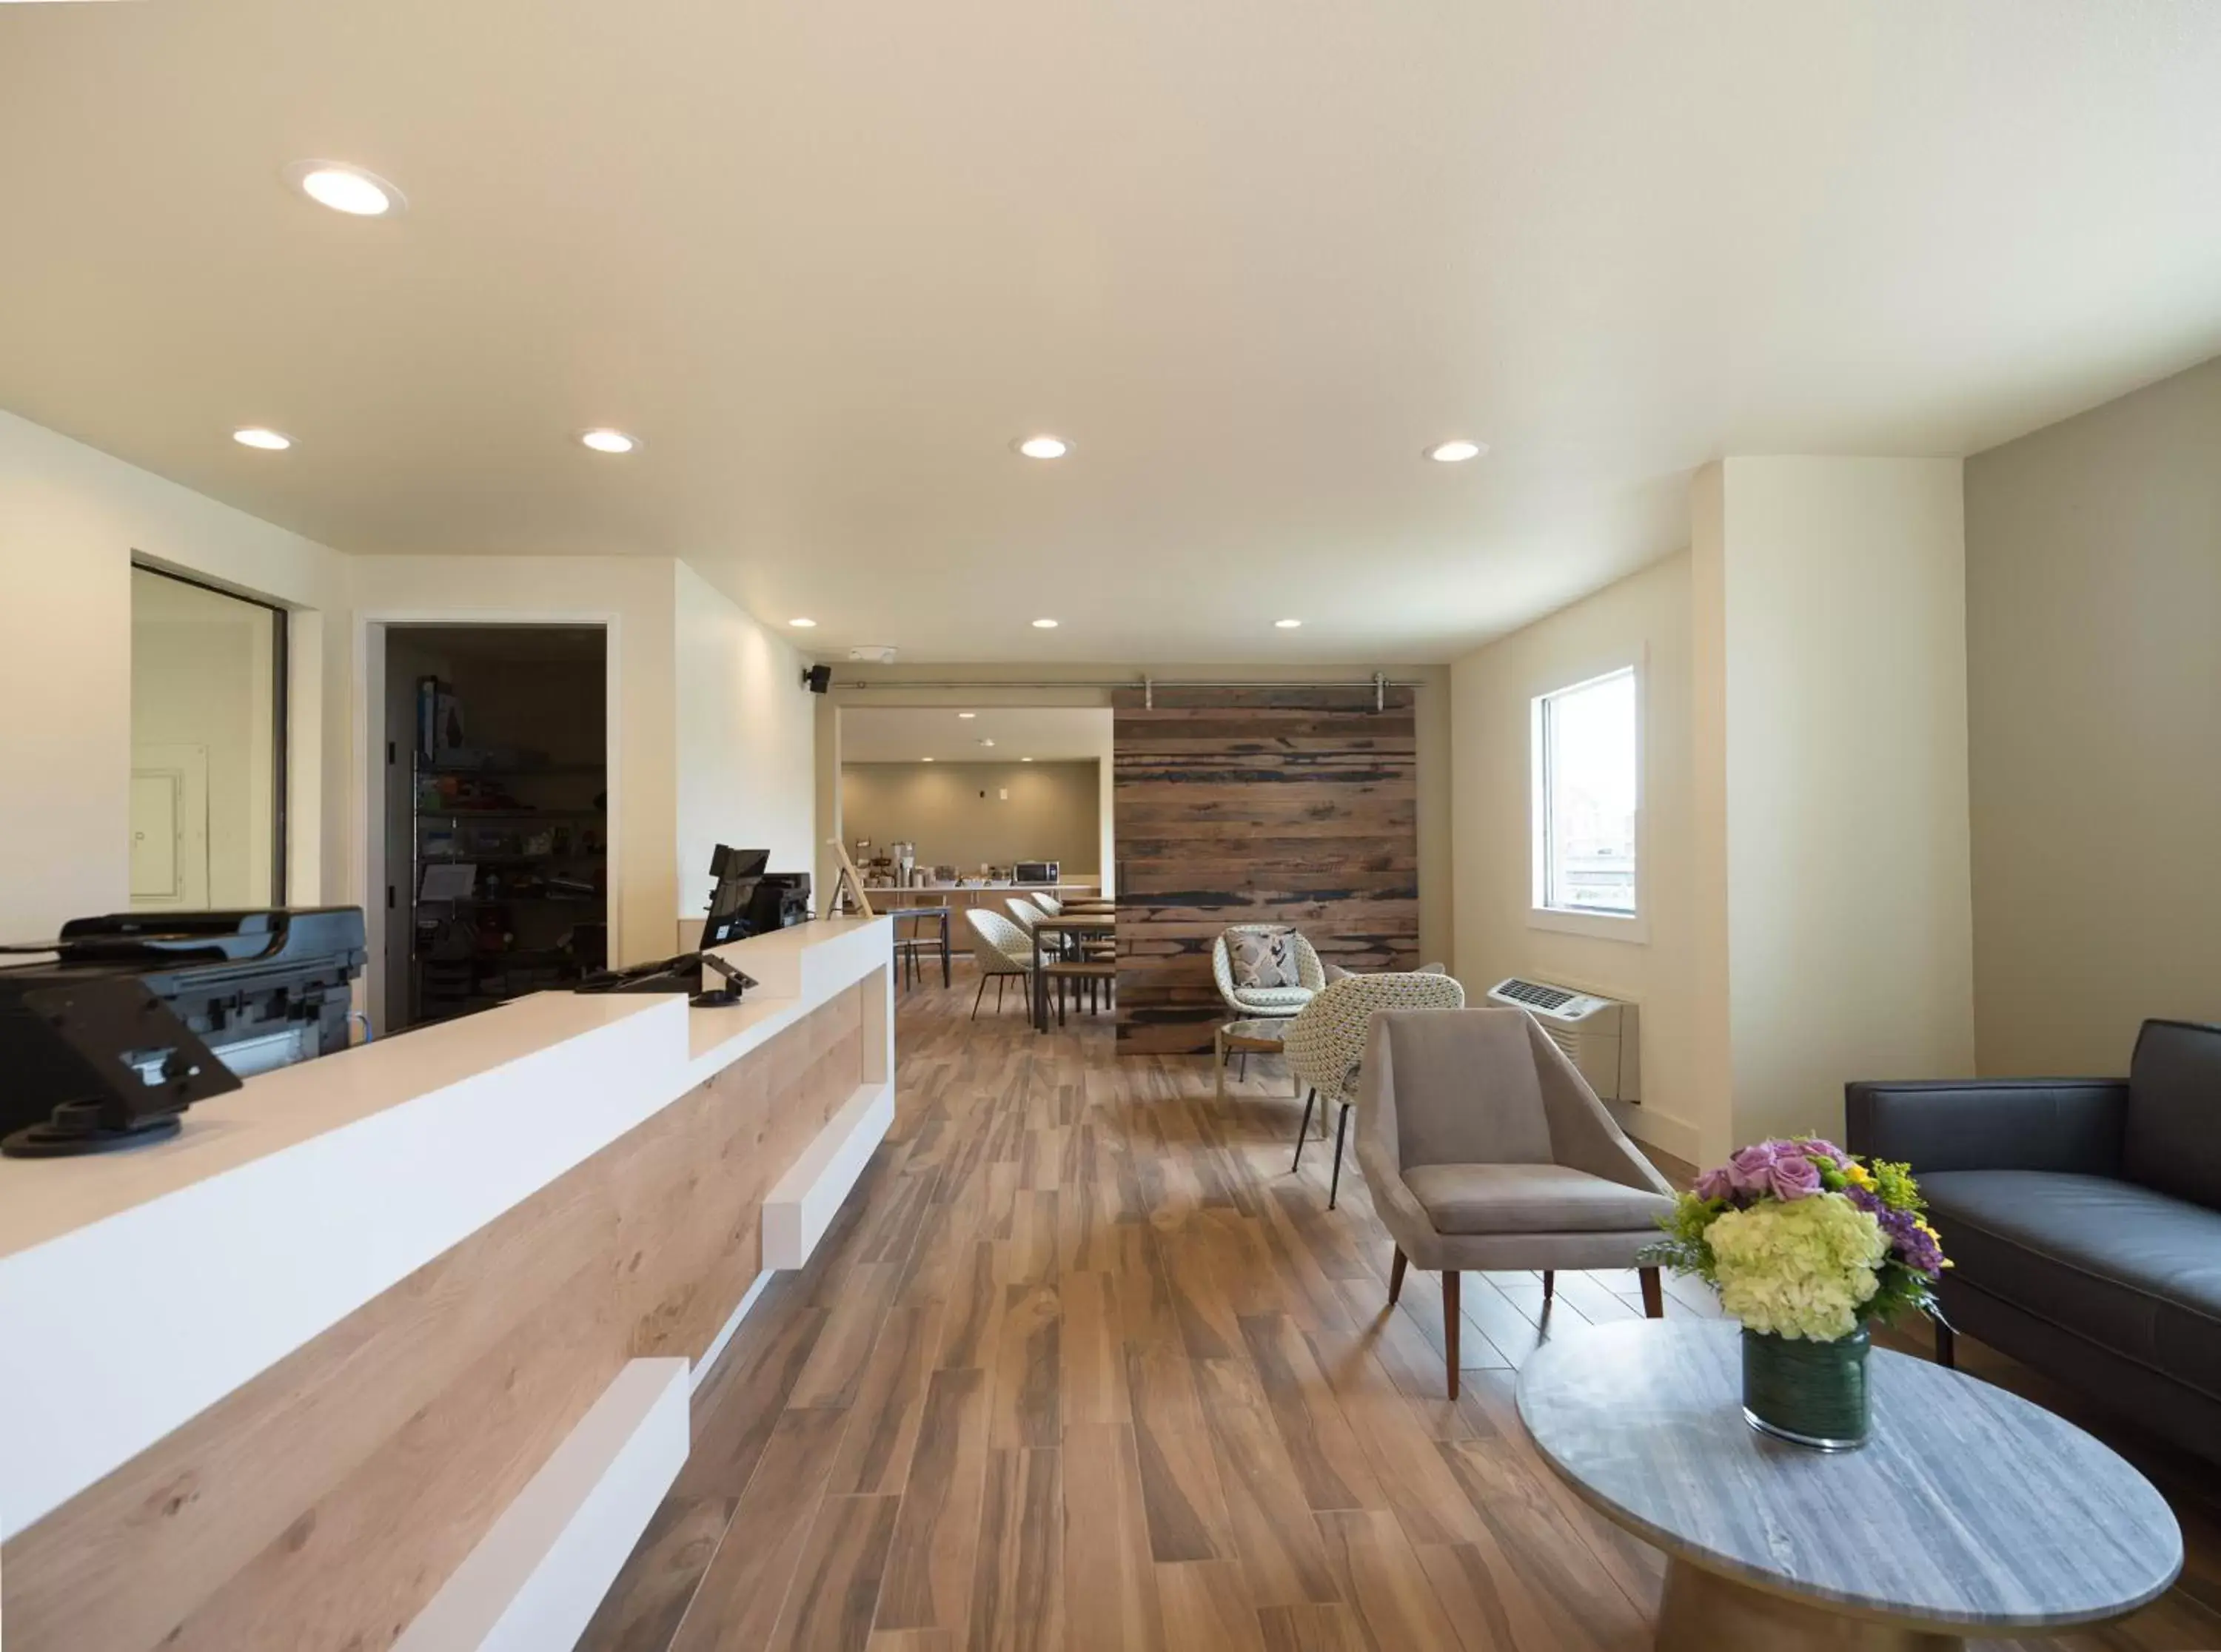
[(570, 771), (511, 814), (509, 860)]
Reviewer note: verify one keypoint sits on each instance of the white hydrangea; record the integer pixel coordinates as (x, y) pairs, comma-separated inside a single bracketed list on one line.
[(1801, 1269)]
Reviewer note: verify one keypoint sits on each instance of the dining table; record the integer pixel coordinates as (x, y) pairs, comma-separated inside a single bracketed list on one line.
[(1103, 920)]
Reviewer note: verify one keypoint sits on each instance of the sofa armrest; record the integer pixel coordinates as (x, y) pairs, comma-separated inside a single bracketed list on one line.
[(2072, 1125)]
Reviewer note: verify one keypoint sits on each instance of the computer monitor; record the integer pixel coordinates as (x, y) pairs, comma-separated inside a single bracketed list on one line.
[(737, 871)]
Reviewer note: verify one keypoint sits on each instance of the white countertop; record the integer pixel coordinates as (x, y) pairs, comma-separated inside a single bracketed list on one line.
[(138, 1288)]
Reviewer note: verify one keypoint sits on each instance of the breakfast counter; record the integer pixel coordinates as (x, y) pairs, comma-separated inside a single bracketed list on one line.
[(404, 1335)]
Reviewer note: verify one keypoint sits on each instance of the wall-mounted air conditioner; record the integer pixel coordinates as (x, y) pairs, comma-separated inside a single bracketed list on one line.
[(1597, 1034)]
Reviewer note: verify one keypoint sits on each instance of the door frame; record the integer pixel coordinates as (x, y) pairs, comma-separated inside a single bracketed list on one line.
[(368, 847)]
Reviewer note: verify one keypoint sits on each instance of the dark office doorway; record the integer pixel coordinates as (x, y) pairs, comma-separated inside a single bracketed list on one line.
[(497, 815)]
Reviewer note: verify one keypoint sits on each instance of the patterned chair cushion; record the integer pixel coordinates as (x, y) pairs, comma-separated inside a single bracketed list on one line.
[(1263, 959), (1284, 1000)]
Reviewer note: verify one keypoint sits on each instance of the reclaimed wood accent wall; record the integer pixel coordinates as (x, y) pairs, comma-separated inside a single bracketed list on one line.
[(1257, 806), (323, 1504)]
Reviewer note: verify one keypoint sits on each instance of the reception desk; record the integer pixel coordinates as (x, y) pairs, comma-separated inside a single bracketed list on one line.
[(394, 1348)]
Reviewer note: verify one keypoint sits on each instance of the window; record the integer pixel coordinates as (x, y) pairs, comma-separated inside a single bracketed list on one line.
[(1586, 799), (207, 747)]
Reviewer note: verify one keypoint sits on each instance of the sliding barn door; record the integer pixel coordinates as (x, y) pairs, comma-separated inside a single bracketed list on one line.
[(1257, 806)]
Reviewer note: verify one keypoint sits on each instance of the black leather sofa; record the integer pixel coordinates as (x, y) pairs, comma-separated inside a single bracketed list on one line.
[(2084, 1217)]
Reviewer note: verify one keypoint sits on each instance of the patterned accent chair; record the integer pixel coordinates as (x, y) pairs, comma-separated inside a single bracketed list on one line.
[(1266, 1003), (1325, 1044), (1002, 950)]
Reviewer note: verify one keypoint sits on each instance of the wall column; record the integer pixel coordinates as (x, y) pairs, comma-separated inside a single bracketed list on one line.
[(1830, 672)]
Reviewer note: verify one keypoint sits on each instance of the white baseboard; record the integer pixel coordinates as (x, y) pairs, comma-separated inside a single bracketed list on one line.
[(709, 1360), (537, 1575), (1660, 1129)]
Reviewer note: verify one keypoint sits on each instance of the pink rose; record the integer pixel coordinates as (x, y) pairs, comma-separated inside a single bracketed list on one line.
[(1716, 1184), (1749, 1169), (1794, 1176)]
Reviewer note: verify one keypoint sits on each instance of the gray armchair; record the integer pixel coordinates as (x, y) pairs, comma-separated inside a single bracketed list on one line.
[(1485, 1149)]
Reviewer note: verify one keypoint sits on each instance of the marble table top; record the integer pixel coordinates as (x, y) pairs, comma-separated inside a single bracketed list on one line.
[(1968, 1506)]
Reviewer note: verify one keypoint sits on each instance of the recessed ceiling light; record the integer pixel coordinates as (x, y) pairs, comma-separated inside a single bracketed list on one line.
[(986, 742), (609, 441), (925, 759), (800, 624), (1043, 446), (346, 189), (1025, 759), (1044, 625), (1286, 624), (1456, 452), (967, 715), (271, 441)]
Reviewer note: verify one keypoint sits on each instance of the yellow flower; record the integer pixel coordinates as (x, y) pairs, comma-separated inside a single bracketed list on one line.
[(1858, 1176)]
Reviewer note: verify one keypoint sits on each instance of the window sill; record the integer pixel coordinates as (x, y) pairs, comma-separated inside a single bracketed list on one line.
[(1603, 927)]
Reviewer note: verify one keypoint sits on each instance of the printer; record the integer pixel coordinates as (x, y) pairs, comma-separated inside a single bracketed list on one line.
[(257, 989)]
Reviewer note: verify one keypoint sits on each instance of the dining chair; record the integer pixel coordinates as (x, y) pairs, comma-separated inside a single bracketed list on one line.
[(1002, 950)]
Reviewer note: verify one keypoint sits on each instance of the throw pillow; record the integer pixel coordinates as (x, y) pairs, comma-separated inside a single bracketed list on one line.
[(1264, 958)]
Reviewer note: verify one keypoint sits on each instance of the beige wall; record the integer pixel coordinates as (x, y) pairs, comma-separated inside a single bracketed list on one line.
[(1050, 812), (1805, 822), (2094, 628), (746, 734), (1843, 682), (1436, 868), (72, 521), (1643, 620)]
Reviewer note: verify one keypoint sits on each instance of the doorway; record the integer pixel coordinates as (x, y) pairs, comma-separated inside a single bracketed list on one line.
[(495, 814), (207, 747)]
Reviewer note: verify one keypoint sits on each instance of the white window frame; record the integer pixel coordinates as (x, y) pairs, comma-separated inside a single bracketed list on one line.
[(1635, 927)]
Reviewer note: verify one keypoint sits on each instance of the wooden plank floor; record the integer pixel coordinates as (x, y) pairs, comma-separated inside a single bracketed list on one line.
[(1083, 1365)]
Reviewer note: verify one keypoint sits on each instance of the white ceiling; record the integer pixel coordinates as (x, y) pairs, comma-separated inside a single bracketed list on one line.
[(1249, 256), (905, 735)]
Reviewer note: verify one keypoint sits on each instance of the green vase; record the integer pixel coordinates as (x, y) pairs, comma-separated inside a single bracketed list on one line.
[(1812, 1393)]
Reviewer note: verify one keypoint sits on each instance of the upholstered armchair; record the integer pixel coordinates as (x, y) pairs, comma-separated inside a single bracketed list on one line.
[(1248, 1003), (1485, 1148), (1324, 1044)]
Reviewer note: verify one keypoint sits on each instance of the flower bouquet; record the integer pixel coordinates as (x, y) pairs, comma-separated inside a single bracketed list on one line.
[(1805, 1245)]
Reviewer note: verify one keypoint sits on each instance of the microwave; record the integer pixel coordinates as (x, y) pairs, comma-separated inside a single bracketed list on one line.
[(1036, 871)]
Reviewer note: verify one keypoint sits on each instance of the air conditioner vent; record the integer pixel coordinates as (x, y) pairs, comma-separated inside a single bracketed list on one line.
[(1535, 993), (1596, 1033)]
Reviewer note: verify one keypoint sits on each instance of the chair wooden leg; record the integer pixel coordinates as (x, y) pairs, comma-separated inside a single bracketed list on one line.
[(1450, 1325), (1395, 1275), (1310, 1100), (1947, 1346), (1654, 1294), (1549, 1286), (1000, 982), (1341, 1127), (982, 993)]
